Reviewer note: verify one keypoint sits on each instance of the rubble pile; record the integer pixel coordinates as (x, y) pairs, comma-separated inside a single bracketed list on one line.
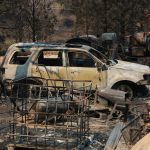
[(64, 119)]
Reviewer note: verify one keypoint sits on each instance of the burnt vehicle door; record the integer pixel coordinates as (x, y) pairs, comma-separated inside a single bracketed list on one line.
[(49, 65), (82, 66)]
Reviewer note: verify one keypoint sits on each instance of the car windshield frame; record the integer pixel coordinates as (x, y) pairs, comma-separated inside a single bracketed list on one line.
[(102, 57)]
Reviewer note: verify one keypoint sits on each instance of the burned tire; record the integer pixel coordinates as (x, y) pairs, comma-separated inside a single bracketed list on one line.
[(126, 88)]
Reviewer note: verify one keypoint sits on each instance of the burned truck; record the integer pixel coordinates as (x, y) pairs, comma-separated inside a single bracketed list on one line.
[(30, 62)]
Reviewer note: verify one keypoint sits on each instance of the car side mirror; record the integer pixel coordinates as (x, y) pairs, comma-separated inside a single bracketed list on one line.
[(104, 67), (100, 67)]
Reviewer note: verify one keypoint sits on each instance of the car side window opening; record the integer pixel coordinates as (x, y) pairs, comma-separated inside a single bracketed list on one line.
[(50, 58), (20, 58), (80, 59), (99, 55)]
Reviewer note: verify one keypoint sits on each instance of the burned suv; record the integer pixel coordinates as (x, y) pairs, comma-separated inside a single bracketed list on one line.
[(25, 61)]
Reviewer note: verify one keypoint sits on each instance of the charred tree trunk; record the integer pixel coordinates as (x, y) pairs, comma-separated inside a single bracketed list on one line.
[(105, 19), (33, 21)]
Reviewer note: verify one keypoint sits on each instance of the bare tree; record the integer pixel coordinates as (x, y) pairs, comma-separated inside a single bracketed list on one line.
[(29, 19)]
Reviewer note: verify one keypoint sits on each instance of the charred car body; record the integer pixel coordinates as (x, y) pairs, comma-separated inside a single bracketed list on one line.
[(24, 61)]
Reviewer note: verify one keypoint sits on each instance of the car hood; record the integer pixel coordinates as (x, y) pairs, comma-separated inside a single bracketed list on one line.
[(132, 66)]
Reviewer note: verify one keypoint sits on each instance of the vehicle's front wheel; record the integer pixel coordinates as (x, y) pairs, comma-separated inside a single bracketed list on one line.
[(130, 93)]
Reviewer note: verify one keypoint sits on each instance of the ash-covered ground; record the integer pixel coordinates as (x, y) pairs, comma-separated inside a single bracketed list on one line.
[(98, 133)]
